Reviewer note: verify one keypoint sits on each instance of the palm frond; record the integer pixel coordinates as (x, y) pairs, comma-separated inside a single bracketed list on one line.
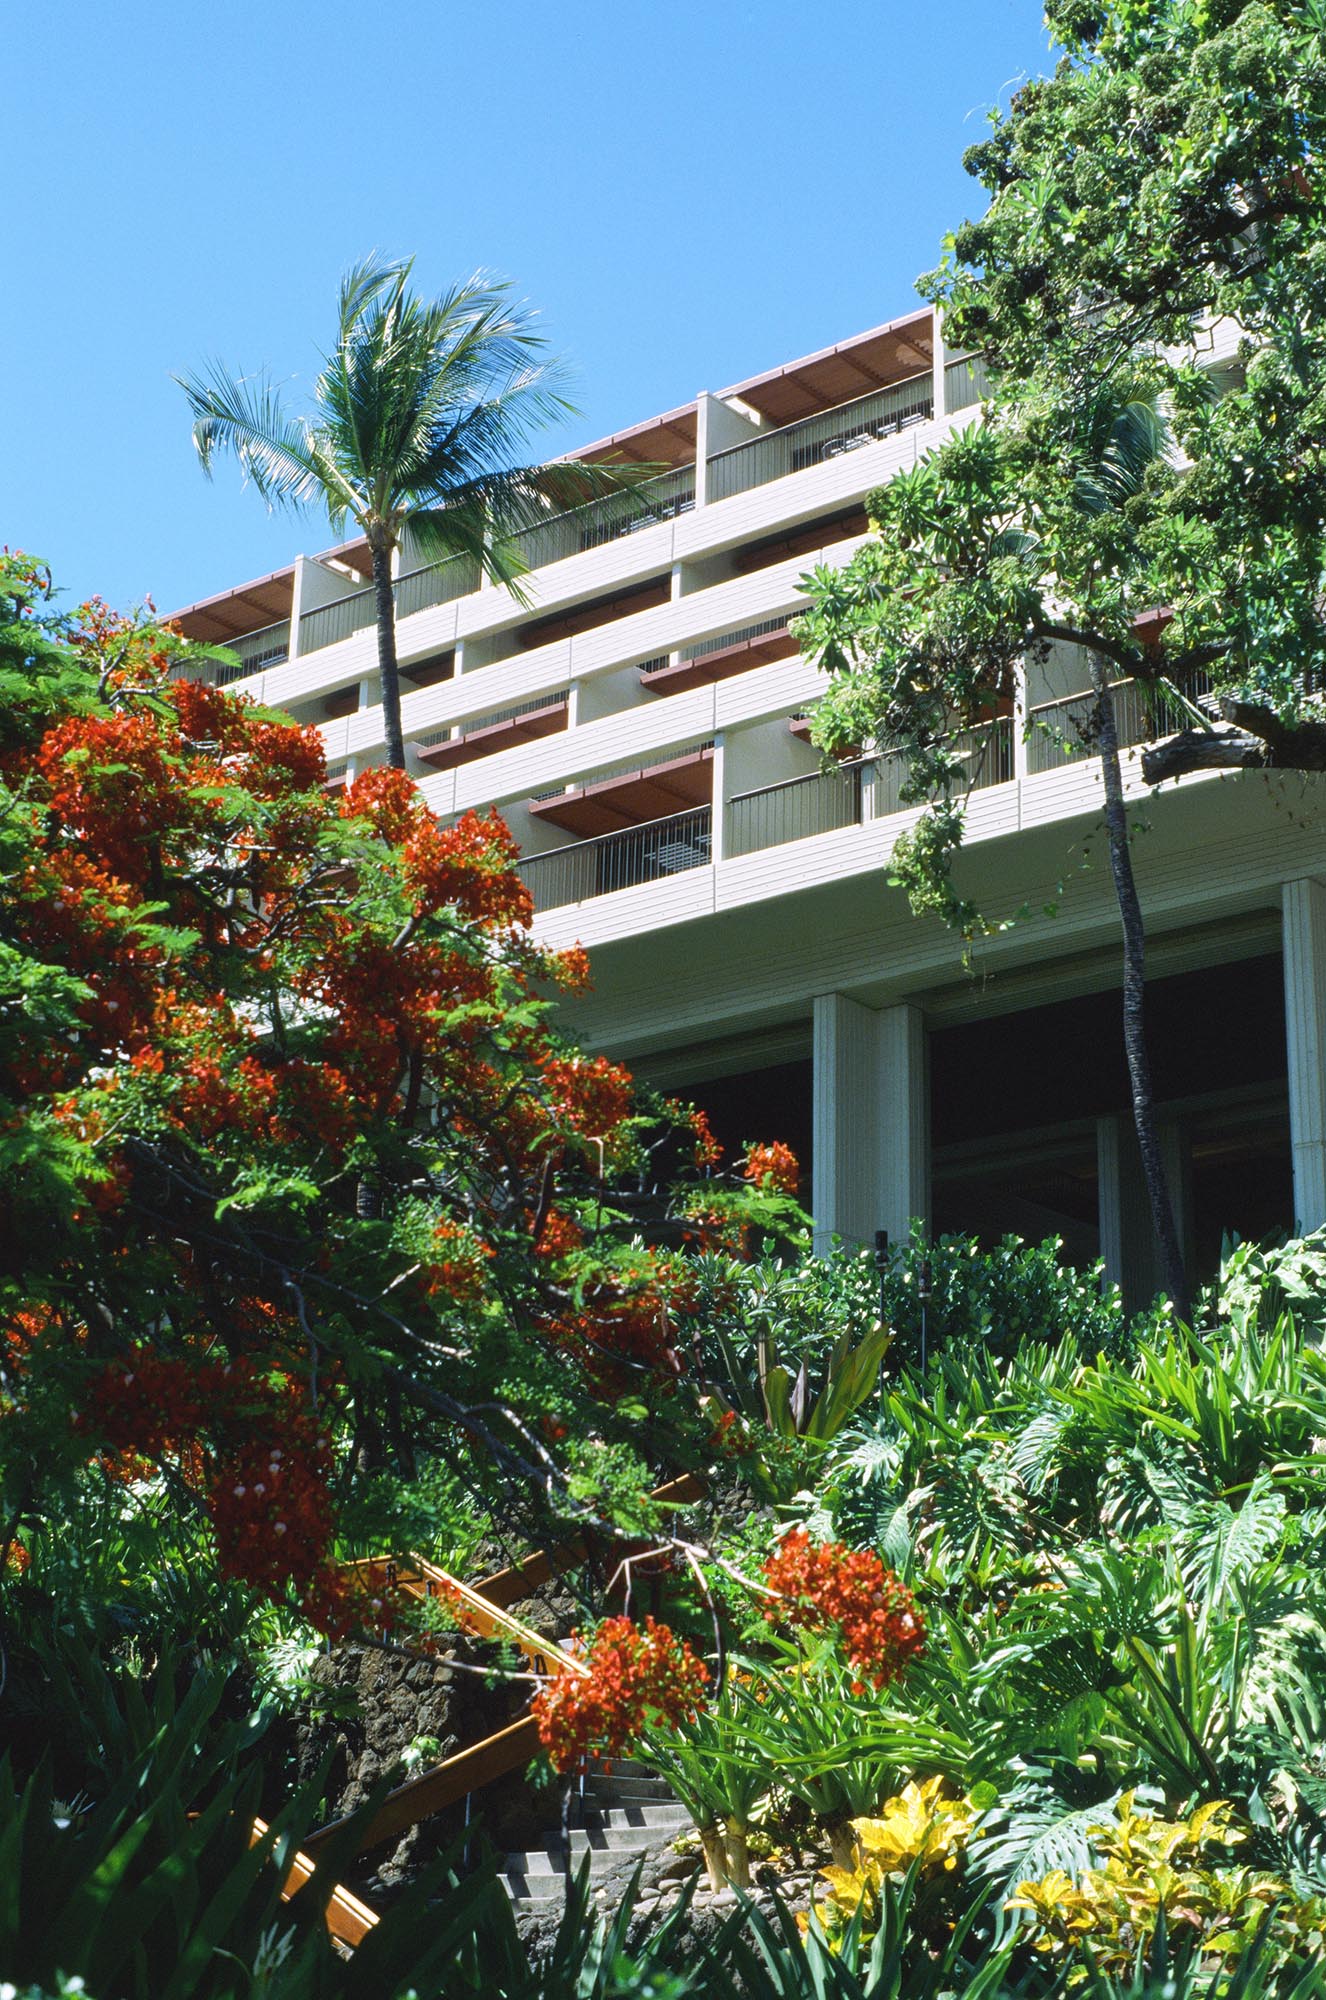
[(1138, 437), (280, 454)]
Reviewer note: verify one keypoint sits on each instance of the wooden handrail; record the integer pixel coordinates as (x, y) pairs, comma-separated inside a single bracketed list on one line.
[(347, 1918), (479, 1614), (508, 1586), (485, 1603), (442, 1785)]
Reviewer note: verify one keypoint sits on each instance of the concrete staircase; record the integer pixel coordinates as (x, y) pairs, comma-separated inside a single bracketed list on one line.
[(623, 1813)]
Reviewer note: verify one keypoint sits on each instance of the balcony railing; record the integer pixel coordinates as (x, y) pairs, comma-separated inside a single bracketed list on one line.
[(762, 630), (966, 381), (772, 454), (534, 706), (793, 810), (608, 519), (437, 583), (824, 801), (621, 860), (1063, 732), (256, 650), (987, 752)]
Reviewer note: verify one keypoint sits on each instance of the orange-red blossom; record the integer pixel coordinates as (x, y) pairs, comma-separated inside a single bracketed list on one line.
[(637, 1675), (827, 1585)]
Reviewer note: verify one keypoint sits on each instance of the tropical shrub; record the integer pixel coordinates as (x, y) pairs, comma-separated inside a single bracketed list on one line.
[(918, 1836), (1158, 1872), (304, 1186)]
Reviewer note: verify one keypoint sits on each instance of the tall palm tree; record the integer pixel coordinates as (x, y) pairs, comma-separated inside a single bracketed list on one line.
[(1130, 439), (418, 422)]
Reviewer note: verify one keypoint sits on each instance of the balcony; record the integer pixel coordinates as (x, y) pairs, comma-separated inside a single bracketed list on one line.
[(813, 441), (1062, 731), (621, 860), (631, 798), (438, 583), (821, 802), (525, 722), (255, 650), (869, 788), (609, 519), (718, 659)]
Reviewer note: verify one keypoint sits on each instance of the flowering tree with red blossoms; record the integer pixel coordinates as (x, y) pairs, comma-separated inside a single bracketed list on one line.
[(301, 1182)]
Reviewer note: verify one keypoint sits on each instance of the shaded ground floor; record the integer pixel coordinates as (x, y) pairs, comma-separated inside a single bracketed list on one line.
[(996, 1099), (1028, 1124)]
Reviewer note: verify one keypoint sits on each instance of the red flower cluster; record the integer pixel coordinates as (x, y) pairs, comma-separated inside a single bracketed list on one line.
[(829, 1585), (708, 1151), (459, 1267), (773, 1167), (470, 866), (636, 1677), (265, 1462)]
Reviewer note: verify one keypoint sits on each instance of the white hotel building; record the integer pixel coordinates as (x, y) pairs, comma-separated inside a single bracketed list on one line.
[(640, 724)]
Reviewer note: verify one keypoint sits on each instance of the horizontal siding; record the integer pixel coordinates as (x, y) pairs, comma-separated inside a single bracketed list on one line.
[(1215, 858), (819, 860)]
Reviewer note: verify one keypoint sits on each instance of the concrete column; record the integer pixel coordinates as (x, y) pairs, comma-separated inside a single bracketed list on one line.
[(938, 362), (718, 805), (1020, 722), (716, 428), (871, 1106), (1304, 922), (1127, 1237), (296, 604)]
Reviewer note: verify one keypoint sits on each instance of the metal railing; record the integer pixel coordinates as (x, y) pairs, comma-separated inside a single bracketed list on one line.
[(1064, 732), (620, 860), (332, 622), (987, 752), (772, 454), (436, 583), (966, 381), (824, 801), (793, 810), (719, 644), (609, 518), (256, 650), (477, 722)]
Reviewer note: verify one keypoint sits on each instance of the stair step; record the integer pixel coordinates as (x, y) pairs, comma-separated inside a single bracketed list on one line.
[(615, 1789), (538, 1889), (637, 1813), (619, 1840)]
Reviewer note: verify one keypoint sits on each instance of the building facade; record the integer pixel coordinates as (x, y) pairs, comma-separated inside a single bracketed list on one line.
[(641, 723)]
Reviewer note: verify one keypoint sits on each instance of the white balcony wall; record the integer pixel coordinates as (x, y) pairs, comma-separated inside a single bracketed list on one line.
[(765, 753), (632, 559), (320, 584), (611, 694)]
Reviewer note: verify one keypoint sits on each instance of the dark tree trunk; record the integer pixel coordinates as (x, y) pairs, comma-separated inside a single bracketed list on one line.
[(1134, 998), (387, 669)]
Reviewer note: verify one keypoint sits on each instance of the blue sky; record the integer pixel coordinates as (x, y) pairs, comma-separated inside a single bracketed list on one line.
[(690, 192)]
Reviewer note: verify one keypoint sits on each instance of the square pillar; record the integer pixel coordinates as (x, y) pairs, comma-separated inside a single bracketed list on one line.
[(1304, 927), (871, 1106), (938, 364), (1127, 1238)]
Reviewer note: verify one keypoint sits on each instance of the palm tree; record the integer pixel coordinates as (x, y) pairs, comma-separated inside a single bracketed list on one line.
[(416, 419), (1125, 441)]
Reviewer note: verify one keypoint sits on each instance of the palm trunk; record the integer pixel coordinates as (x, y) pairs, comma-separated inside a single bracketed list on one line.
[(715, 1856), (1134, 998), (387, 669)]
